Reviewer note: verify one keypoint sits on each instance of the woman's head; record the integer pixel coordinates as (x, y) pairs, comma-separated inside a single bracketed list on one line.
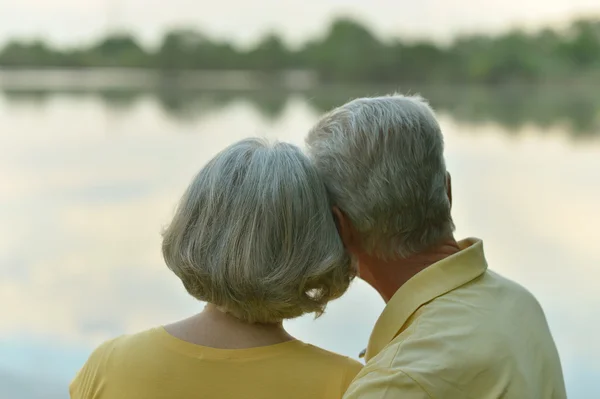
[(254, 235)]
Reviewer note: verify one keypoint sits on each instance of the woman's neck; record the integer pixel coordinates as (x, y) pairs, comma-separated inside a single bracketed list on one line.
[(217, 329)]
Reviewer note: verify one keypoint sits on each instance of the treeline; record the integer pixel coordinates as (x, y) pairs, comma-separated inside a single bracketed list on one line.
[(347, 53)]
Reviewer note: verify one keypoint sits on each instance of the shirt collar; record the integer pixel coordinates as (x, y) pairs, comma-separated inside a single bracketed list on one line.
[(430, 283)]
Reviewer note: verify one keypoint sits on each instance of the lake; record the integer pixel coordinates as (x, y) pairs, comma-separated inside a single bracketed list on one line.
[(88, 179)]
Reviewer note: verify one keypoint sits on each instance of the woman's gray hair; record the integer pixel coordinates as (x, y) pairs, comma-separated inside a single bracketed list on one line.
[(382, 161), (254, 234)]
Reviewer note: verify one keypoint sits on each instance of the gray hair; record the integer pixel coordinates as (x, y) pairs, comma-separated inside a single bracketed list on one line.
[(254, 234), (382, 161)]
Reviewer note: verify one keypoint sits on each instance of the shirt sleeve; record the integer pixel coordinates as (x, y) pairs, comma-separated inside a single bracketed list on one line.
[(90, 378), (386, 384)]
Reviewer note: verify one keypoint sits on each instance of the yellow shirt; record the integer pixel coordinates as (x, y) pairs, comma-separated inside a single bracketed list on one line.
[(154, 364), (457, 330)]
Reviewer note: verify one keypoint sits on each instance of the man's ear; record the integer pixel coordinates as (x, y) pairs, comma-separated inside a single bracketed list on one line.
[(449, 187), (343, 226)]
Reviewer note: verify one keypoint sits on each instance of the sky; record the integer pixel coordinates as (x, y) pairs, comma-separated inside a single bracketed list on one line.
[(69, 22)]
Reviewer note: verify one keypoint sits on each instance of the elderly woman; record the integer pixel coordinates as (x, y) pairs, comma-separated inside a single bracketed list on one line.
[(255, 238)]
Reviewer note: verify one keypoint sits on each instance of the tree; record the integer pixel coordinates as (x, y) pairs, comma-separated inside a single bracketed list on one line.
[(179, 49), (270, 54), (583, 48), (117, 50), (349, 52)]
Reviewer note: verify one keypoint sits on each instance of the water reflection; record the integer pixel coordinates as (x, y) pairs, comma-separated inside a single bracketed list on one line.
[(88, 180), (576, 110)]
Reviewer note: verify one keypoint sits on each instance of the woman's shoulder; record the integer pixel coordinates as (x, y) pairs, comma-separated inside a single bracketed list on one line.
[(133, 341), (332, 359), (338, 367), (124, 344), (108, 355)]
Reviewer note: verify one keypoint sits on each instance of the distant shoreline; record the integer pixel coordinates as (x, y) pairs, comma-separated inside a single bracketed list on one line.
[(89, 79), (137, 79)]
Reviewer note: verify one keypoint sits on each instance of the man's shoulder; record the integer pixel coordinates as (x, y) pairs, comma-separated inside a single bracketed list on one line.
[(468, 325), (489, 297), (483, 328)]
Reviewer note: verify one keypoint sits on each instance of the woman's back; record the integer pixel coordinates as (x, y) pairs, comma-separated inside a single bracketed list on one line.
[(255, 238), (154, 364)]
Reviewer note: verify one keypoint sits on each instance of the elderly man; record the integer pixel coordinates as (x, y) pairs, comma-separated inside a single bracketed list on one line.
[(451, 327)]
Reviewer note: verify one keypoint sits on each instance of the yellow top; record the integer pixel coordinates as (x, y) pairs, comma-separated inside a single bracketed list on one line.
[(458, 330), (154, 364)]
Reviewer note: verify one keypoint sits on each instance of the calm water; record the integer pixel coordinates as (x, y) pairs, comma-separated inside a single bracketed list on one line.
[(88, 180)]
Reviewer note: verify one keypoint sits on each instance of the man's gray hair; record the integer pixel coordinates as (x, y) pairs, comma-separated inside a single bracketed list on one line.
[(255, 235), (382, 161)]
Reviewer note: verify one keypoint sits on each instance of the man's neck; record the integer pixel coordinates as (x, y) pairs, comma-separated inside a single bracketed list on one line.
[(387, 276)]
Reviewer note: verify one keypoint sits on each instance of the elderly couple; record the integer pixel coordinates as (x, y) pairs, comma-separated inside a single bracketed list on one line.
[(264, 234)]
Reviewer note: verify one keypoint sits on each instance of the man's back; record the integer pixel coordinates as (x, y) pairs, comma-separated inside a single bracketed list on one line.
[(484, 338)]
